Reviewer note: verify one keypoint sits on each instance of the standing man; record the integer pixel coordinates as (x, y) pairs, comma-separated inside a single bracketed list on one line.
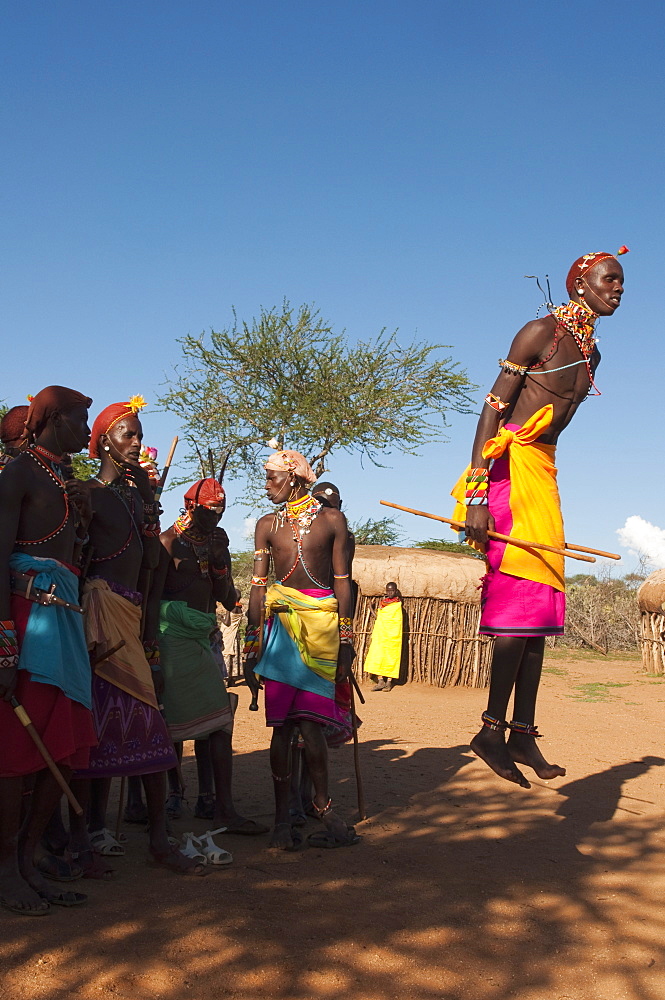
[(309, 639), (43, 655), (133, 738), (194, 575), (547, 374)]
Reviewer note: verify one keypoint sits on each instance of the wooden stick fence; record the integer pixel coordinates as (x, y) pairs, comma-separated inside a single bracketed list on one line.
[(441, 645)]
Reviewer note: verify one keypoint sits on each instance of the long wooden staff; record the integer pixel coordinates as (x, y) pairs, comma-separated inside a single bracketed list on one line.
[(521, 543), (356, 755), (26, 721), (165, 470), (254, 705)]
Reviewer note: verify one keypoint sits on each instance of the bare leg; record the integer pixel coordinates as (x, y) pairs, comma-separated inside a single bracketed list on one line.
[(205, 803), (135, 810), (280, 762), (316, 755), (174, 803), (15, 893), (489, 744), (45, 797), (78, 825), (100, 789), (160, 848), (523, 747)]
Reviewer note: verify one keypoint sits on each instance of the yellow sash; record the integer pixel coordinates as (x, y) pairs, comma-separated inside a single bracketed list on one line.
[(534, 500), (313, 625)]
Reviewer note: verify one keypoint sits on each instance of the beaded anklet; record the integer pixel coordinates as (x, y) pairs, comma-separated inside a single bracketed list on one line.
[(525, 728), (490, 722), (322, 812)]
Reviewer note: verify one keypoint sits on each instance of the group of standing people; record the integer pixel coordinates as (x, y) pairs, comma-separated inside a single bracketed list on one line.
[(106, 619)]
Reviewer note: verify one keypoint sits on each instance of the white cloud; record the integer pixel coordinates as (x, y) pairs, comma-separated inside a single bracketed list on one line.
[(644, 539), (249, 525)]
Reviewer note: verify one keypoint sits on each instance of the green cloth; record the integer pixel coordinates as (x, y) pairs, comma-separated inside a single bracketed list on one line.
[(196, 702)]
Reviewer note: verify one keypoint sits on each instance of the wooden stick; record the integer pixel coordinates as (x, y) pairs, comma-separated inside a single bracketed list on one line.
[(254, 705), (356, 757), (26, 721), (521, 543), (165, 470), (593, 552)]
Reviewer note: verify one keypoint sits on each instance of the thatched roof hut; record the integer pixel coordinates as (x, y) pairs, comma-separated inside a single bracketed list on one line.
[(650, 599), (441, 596)]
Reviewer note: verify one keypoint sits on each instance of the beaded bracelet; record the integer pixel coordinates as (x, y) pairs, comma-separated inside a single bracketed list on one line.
[(152, 655), (8, 644), (259, 581), (510, 368), (477, 486), (496, 403), (219, 572), (345, 630), (151, 529), (341, 576), (251, 646)]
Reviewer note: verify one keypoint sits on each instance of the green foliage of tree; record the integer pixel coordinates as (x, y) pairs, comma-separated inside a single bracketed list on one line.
[(441, 546), (84, 467), (381, 531), (288, 377)]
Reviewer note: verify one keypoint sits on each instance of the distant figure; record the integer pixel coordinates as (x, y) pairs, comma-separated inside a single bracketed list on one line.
[(385, 650), (230, 623)]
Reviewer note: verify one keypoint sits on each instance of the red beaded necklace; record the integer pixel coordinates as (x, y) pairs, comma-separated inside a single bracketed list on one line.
[(34, 452)]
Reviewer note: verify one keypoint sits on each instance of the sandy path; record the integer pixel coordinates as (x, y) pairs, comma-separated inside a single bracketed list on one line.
[(463, 886)]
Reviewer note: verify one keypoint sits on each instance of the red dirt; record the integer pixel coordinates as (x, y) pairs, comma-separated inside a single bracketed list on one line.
[(462, 887)]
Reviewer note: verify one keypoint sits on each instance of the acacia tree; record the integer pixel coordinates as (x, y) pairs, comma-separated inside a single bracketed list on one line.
[(287, 380)]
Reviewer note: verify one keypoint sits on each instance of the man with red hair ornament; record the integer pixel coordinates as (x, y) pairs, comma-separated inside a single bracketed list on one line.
[(510, 486), (194, 574)]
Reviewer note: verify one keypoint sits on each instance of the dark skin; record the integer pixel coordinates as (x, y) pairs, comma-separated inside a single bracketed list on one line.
[(32, 506), (109, 530), (517, 662), (326, 552), (179, 574)]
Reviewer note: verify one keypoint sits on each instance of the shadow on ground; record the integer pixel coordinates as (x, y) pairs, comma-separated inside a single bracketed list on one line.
[(463, 887)]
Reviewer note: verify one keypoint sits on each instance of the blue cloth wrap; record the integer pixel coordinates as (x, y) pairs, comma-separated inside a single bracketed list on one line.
[(54, 649), (281, 661)]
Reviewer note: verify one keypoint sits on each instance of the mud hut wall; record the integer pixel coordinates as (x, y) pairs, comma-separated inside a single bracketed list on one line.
[(441, 645), (651, 601), (652, 626)]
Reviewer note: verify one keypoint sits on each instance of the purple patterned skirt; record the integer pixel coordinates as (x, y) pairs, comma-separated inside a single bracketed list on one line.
[(133, 738)]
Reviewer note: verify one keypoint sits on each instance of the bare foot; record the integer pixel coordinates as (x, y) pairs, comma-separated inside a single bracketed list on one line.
[(282, 838), (524, 750), (491, 747), (17, 896)]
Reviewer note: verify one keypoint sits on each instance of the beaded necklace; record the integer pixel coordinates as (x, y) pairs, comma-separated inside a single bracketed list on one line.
[(52, 467), (299, 514), (121, 489), (579, 321), (194, 539)]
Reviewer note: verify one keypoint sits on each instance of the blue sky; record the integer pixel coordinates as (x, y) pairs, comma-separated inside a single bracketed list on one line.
[(400, 165)]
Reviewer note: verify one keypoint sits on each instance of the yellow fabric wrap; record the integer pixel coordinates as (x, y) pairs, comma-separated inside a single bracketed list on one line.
[(385, 649), (534, 500), (312, 623), (109, 618)]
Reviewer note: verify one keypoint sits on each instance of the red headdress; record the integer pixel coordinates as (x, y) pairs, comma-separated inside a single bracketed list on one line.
[(110, 416), (583, 265), (52, 399), (12, 425), (205, 493)]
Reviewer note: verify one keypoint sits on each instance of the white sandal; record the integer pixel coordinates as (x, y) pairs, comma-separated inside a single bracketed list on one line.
[(190, 850), (213, 854), (103, 842)]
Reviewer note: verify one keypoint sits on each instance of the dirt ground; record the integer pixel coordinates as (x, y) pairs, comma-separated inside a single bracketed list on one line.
[(462, 887)]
